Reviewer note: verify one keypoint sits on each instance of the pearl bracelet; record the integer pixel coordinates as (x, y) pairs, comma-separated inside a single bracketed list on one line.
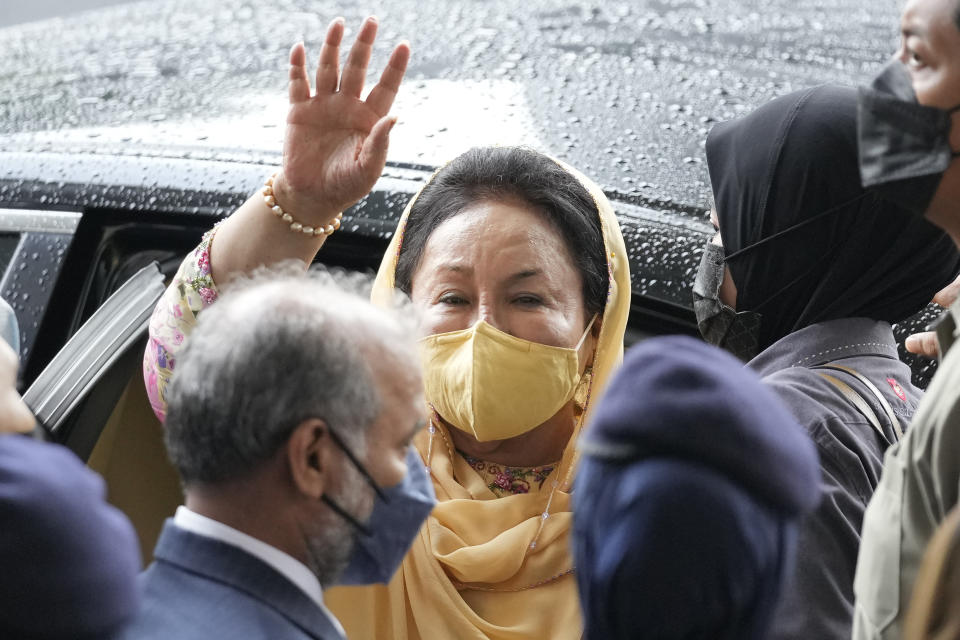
[(295, 226)]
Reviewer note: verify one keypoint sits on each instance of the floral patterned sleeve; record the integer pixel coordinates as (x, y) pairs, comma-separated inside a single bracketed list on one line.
[(192, 289)]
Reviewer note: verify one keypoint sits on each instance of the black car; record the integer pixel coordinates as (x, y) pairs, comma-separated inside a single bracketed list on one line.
[(127, 132)]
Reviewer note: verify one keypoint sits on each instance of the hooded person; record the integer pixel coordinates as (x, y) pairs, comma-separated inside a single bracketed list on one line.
[(692, 482), (69, 559), (804, 279)]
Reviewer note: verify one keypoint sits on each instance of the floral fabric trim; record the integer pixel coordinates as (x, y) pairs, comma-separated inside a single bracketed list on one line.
[(506, 481), (191, 290)]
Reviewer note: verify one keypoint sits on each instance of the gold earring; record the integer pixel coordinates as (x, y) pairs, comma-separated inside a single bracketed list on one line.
[(582, 394)]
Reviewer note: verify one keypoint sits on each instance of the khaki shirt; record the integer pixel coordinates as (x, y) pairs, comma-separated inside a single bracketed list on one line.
[(919, 486)]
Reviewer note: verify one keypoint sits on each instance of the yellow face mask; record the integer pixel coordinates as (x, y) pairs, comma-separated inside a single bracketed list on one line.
[(495, 386)]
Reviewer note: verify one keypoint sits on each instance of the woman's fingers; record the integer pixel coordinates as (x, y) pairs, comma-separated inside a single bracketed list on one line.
[(328, 67), (923, 344), (373, 154), (355, 71), (299, 87), (381, 96)]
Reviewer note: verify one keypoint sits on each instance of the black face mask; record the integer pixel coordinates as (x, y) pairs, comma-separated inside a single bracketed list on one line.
[(336, 508), (719, 324), (904, 146)]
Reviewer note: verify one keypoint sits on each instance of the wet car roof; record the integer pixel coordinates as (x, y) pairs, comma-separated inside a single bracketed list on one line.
[(176, 105), (625, 91)]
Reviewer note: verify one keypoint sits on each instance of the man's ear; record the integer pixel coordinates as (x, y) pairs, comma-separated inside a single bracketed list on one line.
[(307, 457)]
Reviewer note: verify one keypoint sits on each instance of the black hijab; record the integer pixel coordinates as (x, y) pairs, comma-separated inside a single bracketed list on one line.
[(805, 242)]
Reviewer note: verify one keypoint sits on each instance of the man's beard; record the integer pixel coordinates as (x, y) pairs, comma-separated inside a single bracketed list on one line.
[(330, 545)]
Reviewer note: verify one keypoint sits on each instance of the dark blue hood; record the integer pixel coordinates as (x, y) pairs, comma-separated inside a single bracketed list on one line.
[(692, 480), (69, 559)]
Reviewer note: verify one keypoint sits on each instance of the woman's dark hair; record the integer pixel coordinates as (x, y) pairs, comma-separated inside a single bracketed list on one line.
[(512, 174), (956, 14)]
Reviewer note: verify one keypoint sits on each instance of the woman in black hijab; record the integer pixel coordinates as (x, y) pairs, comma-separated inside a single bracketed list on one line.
[(804, 279)]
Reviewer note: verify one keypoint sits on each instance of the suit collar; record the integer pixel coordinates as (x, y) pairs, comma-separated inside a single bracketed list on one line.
[(230, 565)]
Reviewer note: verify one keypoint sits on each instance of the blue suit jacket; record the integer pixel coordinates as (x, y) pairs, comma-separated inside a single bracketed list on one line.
[(199, 588)]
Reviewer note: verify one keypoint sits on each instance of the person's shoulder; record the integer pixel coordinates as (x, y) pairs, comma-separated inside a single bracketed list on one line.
[(806, 393), (22, 453), (815, 400), (50, 493), (845, 441), (187, 605), (171, 589)]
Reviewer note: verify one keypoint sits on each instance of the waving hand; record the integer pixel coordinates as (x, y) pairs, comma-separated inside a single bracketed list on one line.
[(335, 146)]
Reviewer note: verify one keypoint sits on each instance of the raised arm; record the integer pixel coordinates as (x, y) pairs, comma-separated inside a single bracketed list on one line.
[(334, 150)]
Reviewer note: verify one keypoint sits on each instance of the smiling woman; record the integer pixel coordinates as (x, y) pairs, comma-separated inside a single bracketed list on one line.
[(518, 274), (515, 352), (507, 237)]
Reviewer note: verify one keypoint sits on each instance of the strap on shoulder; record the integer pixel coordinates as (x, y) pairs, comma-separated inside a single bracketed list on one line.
[(857, 401), (887, 409)]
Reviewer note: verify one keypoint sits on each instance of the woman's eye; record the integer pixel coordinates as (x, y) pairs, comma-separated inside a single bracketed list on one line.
[(527, 300), (451, 299)]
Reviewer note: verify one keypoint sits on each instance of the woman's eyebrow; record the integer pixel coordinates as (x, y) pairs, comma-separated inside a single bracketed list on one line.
[(522, 275), (455, 268)]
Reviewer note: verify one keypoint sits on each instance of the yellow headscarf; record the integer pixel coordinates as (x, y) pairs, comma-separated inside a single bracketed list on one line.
[(482, 566)]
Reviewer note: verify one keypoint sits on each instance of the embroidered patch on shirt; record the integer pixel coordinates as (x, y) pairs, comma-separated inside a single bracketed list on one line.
[(897, 389), (504, 481)]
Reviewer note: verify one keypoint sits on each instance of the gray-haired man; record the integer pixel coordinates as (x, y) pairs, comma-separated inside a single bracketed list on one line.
[(287, 437)]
